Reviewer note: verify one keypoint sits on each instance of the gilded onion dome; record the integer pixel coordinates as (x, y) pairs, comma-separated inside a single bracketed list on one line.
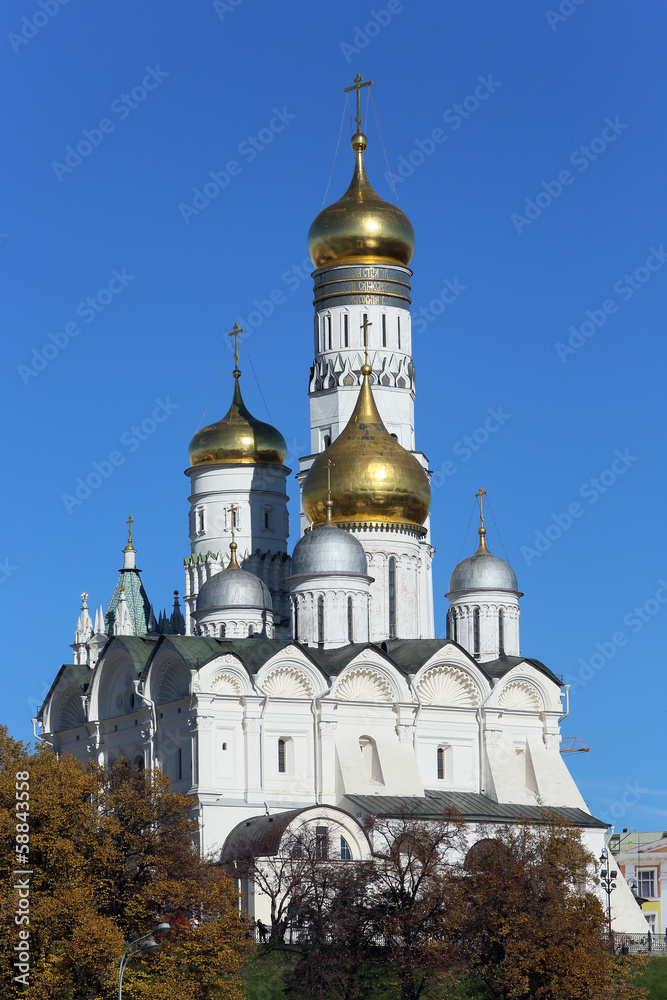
[(374, 480), (361, 224), (238, 439)]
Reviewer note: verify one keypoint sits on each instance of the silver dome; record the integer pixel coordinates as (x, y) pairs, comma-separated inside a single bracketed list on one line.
[(483, 571), (233, 588), (328, 549)]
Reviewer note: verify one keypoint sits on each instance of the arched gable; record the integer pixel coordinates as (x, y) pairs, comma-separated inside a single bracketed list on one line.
[(370, 678), (169, 678), (224, 675), (291, 674), (452, 678), (112, 689)]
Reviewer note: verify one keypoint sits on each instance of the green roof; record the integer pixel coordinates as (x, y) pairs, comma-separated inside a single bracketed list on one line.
[(137, 601)]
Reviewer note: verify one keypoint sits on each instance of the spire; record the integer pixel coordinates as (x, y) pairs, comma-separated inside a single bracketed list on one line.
[(137, 605), (122, 622), (99, 620), (177, 621), (151, 625), (129, 552), (481, 531)]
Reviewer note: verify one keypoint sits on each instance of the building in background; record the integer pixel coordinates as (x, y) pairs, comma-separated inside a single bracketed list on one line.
[(642, 857)]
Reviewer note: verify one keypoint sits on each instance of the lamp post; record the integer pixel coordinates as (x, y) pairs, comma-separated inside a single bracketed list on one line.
[(607, 878), (147, 942)]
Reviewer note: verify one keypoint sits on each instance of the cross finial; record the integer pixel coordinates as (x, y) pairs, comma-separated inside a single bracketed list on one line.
[(84, 597), (233, 564), (357, 85), (329, 517), (129, 523), (481, 531), (364, 326), (482, 493), (235, 334)]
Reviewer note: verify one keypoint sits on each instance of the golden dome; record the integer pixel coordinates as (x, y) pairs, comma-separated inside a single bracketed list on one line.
[(238, 439), (361, 224), (373, 479)]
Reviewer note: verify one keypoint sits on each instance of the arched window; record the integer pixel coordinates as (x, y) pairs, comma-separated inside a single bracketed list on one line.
[(223, 631), (346, 330), (371, 759), (282, 757), (392, 598), (320, 619), (350, 620), (326, 440), (443, 761), (501, 632), (475, 631), (384, 329), (345, 852)]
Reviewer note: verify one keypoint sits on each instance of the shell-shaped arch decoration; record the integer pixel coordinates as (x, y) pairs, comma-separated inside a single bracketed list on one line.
[(174, 682), (226, 684), (288, 682), (71, 712), (448, 685), (520, 695), (364, 684)]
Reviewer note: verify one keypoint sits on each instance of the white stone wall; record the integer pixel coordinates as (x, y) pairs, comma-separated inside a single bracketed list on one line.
[(488, 604), (335, 592)]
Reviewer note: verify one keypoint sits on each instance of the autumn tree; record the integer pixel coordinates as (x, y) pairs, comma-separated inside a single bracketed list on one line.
[(530, 925), (109, 855)]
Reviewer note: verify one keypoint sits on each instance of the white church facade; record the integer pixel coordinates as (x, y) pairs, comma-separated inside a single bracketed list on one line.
[(309, 686)]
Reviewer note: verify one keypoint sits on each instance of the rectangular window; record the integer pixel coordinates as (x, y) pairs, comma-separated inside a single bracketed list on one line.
[(441, 764), (399, 333), (646, 883), (267, 520), (392, 598), (652, 921), (282, 761), (346, 331), (384, 330), (321, 841), (329, 332), (350, 620)]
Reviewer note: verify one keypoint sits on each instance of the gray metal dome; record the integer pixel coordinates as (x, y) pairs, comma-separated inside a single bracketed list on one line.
[(233, 588), (483, 571), (328, 549)]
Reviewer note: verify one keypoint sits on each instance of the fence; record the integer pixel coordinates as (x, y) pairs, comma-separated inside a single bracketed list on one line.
[(632, 944)]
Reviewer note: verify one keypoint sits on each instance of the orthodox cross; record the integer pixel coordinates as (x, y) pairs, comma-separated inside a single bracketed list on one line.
[(84, 597), (482, 493), (232, 509), (129, 523), (235, 334), (329, 465), (364, 327), (357, 85)]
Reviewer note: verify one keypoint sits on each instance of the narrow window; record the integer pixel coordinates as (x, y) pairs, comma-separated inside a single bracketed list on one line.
[(267, 520), (346, 331), (199, 520), (441, 764), (224, 746), (327, 440), (392, 598), (384, 330), (251, 631), (320, 619), (329, 332), (315, 334), (475, 630), (345, 852), (223, 631), (350, 620), (501, 632), (281, 757), (179, 763), (296, 621), (322, 335), (399, 333), (321, 841)]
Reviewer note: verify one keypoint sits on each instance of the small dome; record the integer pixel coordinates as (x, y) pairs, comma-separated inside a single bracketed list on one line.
[(238, 439), (375, 480), (361, 224), (233, 588), (483, 571), (328, 549)]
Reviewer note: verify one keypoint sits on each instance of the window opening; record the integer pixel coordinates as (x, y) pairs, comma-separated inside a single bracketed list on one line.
[(282, 759), (350, 620), (321, 841), (501, 632), (329, 332), (392, 598), (399, 333), (345, 852), (346, 331), (441, 763), (384, 330), (475, 629), (320, 619)]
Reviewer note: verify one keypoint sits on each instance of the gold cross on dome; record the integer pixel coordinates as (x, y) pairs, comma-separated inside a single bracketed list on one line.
[(232, 509), (84, 597), (364, 326), (129, 523), (357, 85), (482, 493), (235, 334), (329, 464)]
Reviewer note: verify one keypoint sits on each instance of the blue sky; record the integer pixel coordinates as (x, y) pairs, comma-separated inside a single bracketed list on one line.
[(544, 206)]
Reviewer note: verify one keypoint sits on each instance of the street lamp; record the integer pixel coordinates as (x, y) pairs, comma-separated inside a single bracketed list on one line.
[(145, 943), (608, 884)]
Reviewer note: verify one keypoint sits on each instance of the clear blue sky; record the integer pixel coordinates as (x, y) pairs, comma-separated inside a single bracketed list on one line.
[(180, 89)]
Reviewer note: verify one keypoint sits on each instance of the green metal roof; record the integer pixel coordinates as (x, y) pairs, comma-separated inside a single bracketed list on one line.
[(472, 806), (138, 604)]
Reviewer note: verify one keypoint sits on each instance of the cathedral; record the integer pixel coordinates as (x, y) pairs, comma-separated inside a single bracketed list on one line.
[(310, 687)]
